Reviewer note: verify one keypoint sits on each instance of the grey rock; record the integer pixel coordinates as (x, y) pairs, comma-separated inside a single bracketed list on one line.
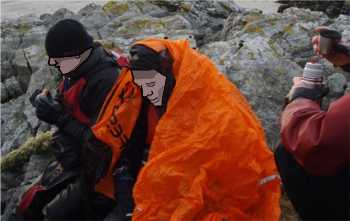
[(89, 10), (93, 17), (337, 84), (147, 8), (149, 26), (10, 183), (122, 8), (331, 8), (289, 34), (207, 17), (46, 18), (34, 169), (261, 76), (108, 29), (62, 13), (15, 130), (34, 36), (11, 198), (4, 94), (7, 57), (13, 88)]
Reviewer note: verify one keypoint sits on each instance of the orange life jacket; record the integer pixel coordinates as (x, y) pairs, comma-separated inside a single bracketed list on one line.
[(116, 123)]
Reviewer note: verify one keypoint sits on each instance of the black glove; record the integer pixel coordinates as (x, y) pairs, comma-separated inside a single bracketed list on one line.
[(50, 110), (76, 129), (315, 94), (34, 95), (124, 183)]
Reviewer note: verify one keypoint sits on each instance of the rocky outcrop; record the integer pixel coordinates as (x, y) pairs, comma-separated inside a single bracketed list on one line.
[(20, 168), (260, 53), (331, 8)]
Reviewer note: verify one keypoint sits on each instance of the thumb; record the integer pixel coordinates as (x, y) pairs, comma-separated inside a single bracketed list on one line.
[(297, 80)]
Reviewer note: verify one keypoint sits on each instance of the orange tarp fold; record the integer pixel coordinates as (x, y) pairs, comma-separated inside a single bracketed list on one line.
[(209, 160), (116, 123)]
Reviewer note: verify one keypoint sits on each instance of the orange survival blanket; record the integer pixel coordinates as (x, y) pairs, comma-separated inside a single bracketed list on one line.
[(208, 159)]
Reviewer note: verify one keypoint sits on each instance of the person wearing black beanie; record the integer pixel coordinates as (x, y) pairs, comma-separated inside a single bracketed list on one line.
[(89, 73), (68, 45)]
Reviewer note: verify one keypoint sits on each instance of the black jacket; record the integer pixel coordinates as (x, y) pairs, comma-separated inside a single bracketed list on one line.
[(100, 73)]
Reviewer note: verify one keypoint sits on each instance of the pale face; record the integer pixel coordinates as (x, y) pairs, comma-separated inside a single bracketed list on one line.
[(152, 84), (69, 64)]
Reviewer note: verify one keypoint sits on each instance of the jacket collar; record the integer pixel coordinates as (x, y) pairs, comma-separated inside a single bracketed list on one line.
[(88, 65)]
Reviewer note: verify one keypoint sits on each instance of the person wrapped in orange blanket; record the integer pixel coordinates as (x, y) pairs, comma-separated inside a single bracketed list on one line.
[(206, 157)]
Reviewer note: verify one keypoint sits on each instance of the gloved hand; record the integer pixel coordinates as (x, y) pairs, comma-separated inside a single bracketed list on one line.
[(303, 89), (50, 110), (34, 95)]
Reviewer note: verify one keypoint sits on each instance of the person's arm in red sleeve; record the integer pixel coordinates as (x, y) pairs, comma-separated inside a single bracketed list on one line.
[(318, 140)]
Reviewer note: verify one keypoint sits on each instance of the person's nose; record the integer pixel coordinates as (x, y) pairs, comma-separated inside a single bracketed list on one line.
[(52, 62), (146, 91)]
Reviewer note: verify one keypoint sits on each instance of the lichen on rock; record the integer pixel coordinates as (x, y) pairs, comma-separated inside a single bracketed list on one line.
[(117, 8), (16, 158)]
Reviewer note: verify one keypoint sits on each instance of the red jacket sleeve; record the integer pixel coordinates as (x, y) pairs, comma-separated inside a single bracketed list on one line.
[(318, 140)]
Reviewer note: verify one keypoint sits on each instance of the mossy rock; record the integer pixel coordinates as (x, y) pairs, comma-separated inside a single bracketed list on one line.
[(254, 15), (38, 144), (288, 29), (142, 25), (185, 6), (23, 28), (116, 7), (253, 28), (251, 55), (173, 6)]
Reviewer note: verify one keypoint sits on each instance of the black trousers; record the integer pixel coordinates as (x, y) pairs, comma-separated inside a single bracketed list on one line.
[(314, 197), (74, 203), (77, 200)]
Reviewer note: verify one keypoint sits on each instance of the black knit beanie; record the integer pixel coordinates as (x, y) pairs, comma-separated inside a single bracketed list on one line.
[(66, 38), (144, 58)]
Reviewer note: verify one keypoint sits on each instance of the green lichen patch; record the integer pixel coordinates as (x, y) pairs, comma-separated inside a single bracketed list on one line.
[(116, 7), (253, 15), (16, 158), (251, 55), (173, 6), (253, 28), (23, 28), (288, 29), (142, 25), (274, 50)]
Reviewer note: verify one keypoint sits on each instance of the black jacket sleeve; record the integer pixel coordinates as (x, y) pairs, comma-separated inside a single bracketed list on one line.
[(96, 91)]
